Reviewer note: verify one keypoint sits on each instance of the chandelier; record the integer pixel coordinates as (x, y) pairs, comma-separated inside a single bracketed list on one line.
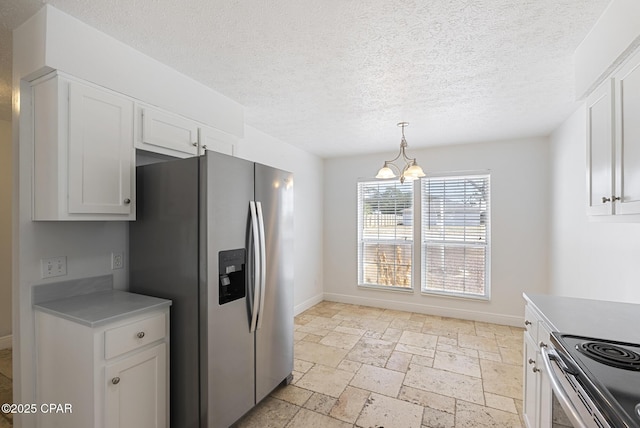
[(409, 171)]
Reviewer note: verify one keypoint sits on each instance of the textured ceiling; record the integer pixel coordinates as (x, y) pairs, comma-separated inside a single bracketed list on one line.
[(333, 77)]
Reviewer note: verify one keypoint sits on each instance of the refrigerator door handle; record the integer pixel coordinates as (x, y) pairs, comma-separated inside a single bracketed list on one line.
[(263, 263), (257, 269)]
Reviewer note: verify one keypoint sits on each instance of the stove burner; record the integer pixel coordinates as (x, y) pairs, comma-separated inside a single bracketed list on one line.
[(611, 355)]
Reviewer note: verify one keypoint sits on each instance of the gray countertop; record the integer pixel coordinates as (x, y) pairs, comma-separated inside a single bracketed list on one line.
[(102, 307), (591, 318)]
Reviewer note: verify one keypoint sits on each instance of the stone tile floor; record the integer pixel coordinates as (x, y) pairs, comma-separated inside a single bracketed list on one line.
[(357, 366), (6, 392)]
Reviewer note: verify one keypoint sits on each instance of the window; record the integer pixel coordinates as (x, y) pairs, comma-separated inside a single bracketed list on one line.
[(385, 233), (455, 235)]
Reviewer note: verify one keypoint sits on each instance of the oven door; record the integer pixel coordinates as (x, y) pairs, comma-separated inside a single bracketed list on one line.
[(579, 410)]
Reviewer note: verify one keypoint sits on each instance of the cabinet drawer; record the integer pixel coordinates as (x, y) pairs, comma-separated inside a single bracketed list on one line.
[(544, 336), (128, 337), (531, 323)]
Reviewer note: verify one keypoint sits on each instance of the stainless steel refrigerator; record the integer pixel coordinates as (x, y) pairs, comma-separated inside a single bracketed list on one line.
[(215, 235)]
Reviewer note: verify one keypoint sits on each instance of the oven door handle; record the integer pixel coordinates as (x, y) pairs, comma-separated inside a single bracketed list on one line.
[(561, 394)]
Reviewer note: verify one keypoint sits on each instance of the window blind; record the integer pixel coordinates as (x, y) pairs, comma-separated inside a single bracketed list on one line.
[(455, 235), (385, 233)]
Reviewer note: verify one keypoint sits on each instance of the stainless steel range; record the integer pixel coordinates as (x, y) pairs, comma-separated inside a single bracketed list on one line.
[(596, 381)]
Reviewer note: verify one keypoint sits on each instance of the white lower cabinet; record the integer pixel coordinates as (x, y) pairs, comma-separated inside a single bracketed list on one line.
[(111, 376), (531, 380), (136, 390), (537, 411)]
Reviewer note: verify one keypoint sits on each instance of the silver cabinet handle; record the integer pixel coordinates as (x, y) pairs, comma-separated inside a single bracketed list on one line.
[(140, 335), (127, 201), (115, 380)]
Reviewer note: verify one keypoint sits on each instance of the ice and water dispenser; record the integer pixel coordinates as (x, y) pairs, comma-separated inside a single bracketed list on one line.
[(231, 270)]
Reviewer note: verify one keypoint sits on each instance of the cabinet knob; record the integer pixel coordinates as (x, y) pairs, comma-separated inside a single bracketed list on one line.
[(127, 201), (140, 335), (204, 147), (605, 199), (194, 144), (535, 370), (115, 380), (615, 198), (527, 322), (542, 345), (532, 361)]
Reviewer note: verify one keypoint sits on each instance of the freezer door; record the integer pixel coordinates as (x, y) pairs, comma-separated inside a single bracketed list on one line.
[(227, 374), (274, 336)]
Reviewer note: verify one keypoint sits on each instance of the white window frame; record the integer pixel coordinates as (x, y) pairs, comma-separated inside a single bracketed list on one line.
[(361, 241), (425, 242)]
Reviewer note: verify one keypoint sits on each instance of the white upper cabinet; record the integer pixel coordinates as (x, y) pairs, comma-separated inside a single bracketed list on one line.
[(627, 94), (174, 135), (218, 141), (84, 159), (84, 142), (600, 150), (613, 144), (167, 133)]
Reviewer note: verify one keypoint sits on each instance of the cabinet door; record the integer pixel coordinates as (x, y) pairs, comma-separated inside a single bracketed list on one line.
[(162, 130), (100, 151), (544, 383), (600, 160), (137, 390), (218, 141), (628, 137), (531, 405)]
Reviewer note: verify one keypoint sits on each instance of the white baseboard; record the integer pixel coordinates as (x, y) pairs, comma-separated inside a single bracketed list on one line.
[(6, 342), (465, 314), (298, 309)]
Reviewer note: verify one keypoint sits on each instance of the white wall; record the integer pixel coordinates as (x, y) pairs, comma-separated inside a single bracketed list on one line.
[(520, 210), (307, 177), (597, 260), (5, 233)]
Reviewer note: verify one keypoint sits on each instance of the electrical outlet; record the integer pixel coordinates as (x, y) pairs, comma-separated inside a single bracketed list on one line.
[(117, 260), (55, 266)]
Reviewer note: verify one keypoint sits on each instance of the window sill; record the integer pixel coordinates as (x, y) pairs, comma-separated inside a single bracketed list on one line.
[(456, 296), (408, 290)]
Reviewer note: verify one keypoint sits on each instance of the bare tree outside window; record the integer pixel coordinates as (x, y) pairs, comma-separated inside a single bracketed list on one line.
[(385, 233)]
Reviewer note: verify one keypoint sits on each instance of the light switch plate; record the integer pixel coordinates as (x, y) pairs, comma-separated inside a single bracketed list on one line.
[(55, 266)]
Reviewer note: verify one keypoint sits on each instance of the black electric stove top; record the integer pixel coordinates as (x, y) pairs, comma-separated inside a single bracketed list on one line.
[(609, 371)]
